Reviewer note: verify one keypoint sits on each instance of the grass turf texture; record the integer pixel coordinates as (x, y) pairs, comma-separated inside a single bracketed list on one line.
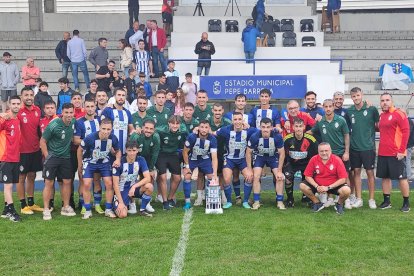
[(263, 242)]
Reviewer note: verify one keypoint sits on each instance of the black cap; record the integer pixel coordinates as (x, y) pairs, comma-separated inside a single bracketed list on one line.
[(6, 54)]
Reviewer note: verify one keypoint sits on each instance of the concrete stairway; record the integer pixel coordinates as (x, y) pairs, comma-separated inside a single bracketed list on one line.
[(363, 54)]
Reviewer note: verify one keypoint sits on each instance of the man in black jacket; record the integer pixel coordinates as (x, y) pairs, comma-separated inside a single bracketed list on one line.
[(410, 146), (204, 49), (61, 54), (133, 10)]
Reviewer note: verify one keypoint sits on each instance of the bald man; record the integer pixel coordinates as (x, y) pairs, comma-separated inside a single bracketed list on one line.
[(204, 49), (30, 73), (61, 54)]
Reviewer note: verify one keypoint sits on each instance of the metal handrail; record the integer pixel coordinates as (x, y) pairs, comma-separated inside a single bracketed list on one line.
[(267, 59)]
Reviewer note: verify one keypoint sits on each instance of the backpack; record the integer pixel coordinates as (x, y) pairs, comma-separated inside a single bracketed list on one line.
[(214, 25), (306, 25), (232, 26)]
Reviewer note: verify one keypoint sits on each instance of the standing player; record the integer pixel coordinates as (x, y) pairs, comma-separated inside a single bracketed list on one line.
[(30, 154), (120, 117), (101, 101), (171, 140), (236, 143), (187, 119), (148, 147), (364, 120), (200, 151), (10, 135), (311, 106), (202, 111), (240, 102), (394, 133), (158, 112), (95, 150), (83, 127), (267, 148), (300, 147), (141, 115), (265, 111), (339, 99), (55, 145), (126, 183)]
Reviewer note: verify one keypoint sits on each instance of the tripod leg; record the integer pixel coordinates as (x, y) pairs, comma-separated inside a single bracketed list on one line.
[(237, 7), (225, 13)]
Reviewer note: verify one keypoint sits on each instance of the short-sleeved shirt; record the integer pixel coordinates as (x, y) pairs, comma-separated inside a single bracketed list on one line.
[(201, 148), (171, 141), (394, 132), (363, 127), (44, 122), (313, 111), (221, 141), (265, 147), (10, 136), (299, 152), (189, 126), (308, 121), (138, 121), (257, 114), (29, 124), (59, 137), (160, 118), (128, 172), (333, 133), (121, 120), (246, 117), (326, 174), (201, 115), (343, 112), (148, 147), (97, 151), (235, 141), (84, 127)]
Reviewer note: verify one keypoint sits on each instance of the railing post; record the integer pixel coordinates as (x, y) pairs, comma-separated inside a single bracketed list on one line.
[(254, 67)]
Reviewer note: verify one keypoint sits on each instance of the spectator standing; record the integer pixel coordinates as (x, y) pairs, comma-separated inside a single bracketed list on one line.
[(162, 83), (147, 30), (133, 10), (108, 78), (157, 43), (64, 95), (99, 55), (132, 30), (30, 73), (76, 52), (62, 54), (167, 15), (9, 77), (204, 49), (136, 37), (173, 77), (130, 85), (179, 102), (126, 57), (410, 147), (141, 61), (189, 89), (249, 35)]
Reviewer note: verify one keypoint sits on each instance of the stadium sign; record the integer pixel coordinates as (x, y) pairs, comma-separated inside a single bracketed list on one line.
[(226, 87)]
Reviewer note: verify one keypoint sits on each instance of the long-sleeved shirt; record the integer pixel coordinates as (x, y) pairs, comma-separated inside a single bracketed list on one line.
[(98, 56), (394, 132), (76, 49), (9, 76)]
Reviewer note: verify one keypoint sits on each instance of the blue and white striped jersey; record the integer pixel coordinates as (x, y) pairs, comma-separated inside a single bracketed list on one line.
[(128, 172), (258, 114), (120, 119), (201, 148), (266, 146), (246, 117), (236, 142), (84, 127), (141, 59), (97, 151)]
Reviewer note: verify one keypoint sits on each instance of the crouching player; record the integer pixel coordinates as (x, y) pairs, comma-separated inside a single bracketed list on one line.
[(325, 173), (200, 151), (126, 184), (267, 148), (95, 150)]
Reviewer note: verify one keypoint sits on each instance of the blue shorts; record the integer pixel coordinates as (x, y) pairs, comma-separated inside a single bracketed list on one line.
[(271, 161), (126, 198), (204, 165), (235, 163), (90, 168)]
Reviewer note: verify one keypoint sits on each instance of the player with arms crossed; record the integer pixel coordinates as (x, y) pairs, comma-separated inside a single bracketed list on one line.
[(265, 148), (200, 151), (126, 183), (95, 150)]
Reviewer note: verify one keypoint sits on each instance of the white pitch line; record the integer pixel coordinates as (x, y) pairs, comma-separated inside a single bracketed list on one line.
[(179, 255)]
